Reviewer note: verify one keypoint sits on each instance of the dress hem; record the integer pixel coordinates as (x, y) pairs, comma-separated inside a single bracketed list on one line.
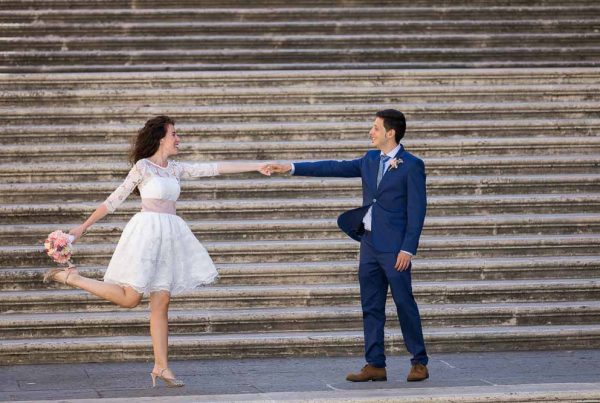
[(173, 291)]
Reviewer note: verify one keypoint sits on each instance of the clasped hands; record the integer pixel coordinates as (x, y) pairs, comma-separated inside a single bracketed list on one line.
[(274, 168)]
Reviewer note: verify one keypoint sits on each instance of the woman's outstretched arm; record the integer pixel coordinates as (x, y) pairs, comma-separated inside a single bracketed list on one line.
[(187, 170), (113, 201), (238, 167)]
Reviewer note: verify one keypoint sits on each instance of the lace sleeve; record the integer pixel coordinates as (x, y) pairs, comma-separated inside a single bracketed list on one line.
[(195, 170), (134, 178)]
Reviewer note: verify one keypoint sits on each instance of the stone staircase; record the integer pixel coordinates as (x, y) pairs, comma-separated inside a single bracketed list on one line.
[(61, 36), (509, 256)]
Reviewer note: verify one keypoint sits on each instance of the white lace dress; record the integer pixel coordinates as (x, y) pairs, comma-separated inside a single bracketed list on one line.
[(157, 250)]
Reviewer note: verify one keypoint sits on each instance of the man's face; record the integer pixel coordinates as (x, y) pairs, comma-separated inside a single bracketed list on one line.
[(379, 137)]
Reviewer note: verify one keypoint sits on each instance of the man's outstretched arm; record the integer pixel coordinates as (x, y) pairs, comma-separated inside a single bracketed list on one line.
[(344, 169)]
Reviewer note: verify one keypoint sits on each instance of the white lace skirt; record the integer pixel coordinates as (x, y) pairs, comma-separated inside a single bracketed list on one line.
[(159, 252)]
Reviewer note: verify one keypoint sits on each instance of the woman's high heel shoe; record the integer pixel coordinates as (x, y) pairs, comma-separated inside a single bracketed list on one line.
[(171, 382), (49, 275)]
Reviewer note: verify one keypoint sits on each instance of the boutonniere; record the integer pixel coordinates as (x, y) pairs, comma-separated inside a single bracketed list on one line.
[(394, 162)]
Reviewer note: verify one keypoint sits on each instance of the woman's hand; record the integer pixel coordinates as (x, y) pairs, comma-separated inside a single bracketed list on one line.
[(265, 169), (77, 232)]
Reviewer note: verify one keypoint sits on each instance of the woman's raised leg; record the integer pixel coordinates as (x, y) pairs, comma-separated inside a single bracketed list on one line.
[(123, 296)]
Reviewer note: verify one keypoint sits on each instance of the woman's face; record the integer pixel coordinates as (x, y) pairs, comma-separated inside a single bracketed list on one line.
[(170, 143)]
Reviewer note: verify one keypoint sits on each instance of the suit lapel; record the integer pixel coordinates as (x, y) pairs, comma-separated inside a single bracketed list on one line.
[(374, 165)]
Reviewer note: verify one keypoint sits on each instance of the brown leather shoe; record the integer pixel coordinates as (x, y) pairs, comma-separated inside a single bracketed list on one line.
[(368, 373), (418, 372)]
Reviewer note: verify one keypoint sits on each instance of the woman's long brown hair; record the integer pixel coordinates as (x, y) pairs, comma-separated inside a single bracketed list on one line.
[(147, 140)]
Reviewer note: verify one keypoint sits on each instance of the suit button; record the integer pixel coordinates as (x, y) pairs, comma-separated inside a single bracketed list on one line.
[(374, 200)]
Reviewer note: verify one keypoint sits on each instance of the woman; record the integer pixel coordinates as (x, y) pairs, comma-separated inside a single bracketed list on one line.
[(157, 253)]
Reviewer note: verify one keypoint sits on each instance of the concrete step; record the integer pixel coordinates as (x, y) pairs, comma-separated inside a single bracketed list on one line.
[(305, 187), (300, 12), (297, 59), (438, 340), (233, 296), (190, 210), (304, 94), (278, 150), (291, 79), (306, 26), (257, 40), (539, 267), (117, 133), (299, 112), (345, 271), (313, 250), (258, 5), (267, 320), (460, 166), (257, 230)]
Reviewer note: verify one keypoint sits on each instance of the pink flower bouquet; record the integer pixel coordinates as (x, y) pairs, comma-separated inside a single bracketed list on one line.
[(58, 247)]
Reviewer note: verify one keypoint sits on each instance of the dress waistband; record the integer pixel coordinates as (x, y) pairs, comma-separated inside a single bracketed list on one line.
[(158, 206)]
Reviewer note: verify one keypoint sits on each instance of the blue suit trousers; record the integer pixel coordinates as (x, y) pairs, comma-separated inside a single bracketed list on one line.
[(376, 272)]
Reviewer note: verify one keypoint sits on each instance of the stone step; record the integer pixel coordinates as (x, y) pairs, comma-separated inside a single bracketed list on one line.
[(305, 187), (281, 42), (245, 345), (345, 271), (334, 295), (268, 320), (460, 166), (380, 25), (278, 150), (315, 250), (115, 133), (256, 6), (181, 347), (303, 208), (291, 79), (270, 229), (297, 59), (305, 94), (299, 112), (404, 12), (278, 13)]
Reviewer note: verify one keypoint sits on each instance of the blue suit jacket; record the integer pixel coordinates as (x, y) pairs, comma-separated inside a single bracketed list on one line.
[(399, 204)]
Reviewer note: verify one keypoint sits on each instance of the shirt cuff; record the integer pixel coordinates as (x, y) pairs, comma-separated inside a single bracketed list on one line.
[(293, 169), (408, 253)]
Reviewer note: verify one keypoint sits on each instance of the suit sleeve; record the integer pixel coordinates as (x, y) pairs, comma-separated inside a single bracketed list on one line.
[(416, 207), (342, 169)]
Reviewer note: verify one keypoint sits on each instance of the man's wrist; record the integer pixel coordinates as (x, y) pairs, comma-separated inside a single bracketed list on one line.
[(408, 253)]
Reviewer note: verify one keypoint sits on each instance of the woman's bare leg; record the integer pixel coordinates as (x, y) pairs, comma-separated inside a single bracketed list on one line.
[(159, 330), (123, 296)]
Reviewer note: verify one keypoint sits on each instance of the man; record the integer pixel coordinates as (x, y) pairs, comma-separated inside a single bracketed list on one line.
[(388, 226)]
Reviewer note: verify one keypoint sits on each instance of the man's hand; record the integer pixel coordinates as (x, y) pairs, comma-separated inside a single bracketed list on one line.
[(403, 261), (279, 168), (265, 170)]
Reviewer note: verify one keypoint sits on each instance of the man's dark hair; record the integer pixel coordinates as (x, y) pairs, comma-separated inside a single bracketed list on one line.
[(393, 119)]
